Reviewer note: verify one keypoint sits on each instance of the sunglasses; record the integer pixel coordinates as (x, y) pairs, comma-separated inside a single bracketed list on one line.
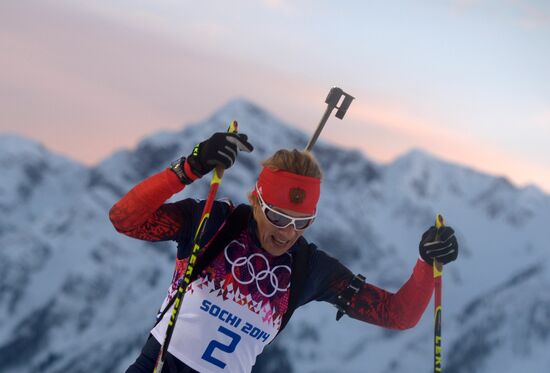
[(281, 220)]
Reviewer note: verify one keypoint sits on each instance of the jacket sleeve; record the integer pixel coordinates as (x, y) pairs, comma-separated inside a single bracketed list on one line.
[(142, 214), (402, 310)]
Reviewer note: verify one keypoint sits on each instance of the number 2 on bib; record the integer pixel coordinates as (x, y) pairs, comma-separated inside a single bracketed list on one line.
[(207, 355)]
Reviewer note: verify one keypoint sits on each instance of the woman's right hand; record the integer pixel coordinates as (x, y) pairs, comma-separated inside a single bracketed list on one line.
[(219, 150)]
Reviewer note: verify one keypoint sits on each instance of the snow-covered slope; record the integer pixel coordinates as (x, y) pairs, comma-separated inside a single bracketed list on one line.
[(76, 296)]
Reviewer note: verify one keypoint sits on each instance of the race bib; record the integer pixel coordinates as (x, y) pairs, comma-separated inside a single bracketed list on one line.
[(232, 310)]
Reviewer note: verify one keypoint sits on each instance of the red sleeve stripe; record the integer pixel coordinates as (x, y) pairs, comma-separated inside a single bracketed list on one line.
[(137, 210), (401, 310)]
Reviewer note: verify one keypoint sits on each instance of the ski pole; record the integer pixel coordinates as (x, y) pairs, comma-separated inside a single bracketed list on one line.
[(438, 282), (189, 267), (333, 97)]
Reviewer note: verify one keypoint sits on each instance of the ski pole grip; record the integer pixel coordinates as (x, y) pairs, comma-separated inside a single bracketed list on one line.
[(333, 97), (344, 106), (439, 223), (219, 170)]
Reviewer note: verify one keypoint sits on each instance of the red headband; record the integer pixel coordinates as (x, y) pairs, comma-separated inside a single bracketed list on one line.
[(289, 191)]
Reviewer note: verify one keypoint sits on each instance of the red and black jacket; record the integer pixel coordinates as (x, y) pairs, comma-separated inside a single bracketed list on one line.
[(142, 213)]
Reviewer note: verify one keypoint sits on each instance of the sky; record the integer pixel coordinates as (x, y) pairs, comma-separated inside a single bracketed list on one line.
[(467, 80)]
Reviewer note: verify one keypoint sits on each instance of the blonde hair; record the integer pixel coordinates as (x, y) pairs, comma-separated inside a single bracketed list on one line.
[(300, 162)]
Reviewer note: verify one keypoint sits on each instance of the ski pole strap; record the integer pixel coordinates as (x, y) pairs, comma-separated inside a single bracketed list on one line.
[(161, 315), (344, 299)]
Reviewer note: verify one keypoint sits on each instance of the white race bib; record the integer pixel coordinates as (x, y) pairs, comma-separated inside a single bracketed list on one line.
[(232, 311)]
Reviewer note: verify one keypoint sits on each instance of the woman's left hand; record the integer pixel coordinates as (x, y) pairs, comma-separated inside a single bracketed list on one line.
[(444, 248)]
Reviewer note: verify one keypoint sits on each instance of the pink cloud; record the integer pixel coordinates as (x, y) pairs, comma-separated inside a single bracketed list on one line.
[(85, 91), (386, 130), (86, 86)]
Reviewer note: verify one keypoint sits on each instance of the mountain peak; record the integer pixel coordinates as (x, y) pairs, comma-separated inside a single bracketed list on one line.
[(238, 108), (415, 160), (16, 149), (15, 145), (265, 129), (416, 155), (54, 221)]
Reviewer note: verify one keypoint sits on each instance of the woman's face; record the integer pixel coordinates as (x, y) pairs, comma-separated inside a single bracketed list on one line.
[(274, 240)]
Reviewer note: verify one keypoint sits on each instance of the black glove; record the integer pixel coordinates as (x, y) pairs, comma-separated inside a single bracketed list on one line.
[(444, 249), (219, 150)]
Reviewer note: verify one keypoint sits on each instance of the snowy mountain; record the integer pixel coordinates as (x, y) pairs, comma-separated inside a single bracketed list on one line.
[(76, 296)]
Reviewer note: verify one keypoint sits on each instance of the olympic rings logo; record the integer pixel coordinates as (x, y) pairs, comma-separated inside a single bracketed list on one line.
[(246, 264)]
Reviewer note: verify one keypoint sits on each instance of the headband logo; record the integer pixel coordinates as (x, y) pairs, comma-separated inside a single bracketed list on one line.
[(296, 195)]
